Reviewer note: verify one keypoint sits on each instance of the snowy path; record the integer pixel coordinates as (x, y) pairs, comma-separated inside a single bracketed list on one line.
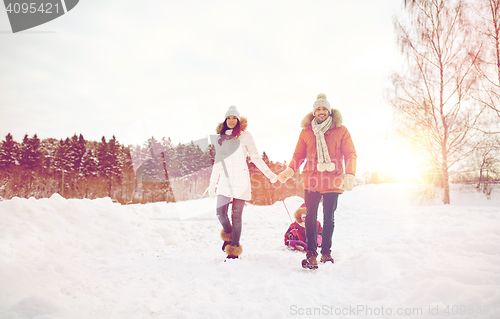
[(95, 259)]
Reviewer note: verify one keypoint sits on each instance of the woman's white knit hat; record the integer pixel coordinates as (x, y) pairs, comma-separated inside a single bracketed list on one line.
[(233, 111), (321, 101)]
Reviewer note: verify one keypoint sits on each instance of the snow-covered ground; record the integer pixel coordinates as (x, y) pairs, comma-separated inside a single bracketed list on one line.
[(393, 259)]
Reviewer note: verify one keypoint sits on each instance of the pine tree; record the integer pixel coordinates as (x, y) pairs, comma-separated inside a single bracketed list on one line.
[(8, 153), (62, 162), (109, 166), (180, 167), (114, 159), (30, 153), (151, 168), (195, 158), (90, 164), (49, 148), (76, 150)]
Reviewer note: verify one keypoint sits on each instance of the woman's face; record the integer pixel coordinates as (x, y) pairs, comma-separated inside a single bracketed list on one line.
[(231, 121)]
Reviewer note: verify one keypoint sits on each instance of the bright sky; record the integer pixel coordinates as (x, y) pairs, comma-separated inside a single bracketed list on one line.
[(172, 68)]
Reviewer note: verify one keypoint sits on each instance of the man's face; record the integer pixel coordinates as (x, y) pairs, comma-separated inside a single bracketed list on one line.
[(321, 114)]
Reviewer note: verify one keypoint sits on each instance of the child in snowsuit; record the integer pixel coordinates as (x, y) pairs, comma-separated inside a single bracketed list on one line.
[(295, 236)]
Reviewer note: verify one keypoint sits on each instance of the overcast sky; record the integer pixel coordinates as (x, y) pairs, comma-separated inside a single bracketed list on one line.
[(172, 68)]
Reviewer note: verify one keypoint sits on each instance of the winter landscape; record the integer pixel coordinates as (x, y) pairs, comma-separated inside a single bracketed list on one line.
[(395, 257), (103, 111)]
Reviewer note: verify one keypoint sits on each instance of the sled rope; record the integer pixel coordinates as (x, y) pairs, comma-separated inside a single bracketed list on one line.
[(287, 211)]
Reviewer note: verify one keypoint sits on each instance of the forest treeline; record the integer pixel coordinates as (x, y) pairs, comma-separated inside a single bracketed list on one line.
[(152, 172)]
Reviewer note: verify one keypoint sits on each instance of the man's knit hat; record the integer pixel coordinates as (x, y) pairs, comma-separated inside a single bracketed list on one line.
[(233, 111), (321, 101)]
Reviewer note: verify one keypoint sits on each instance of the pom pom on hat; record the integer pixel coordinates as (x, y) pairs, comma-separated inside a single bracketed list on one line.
[(233, 111), (321, 101)]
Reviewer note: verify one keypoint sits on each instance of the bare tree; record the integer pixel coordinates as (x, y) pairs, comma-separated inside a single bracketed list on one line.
[(409, 2), (432, 99), (488, 162), (486, 14)]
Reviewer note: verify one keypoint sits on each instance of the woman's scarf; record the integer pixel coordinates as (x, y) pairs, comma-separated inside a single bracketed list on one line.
[(227, 136), (228, 145), (324, 161)]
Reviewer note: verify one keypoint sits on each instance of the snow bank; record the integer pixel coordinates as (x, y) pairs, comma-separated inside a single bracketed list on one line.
[(394, 259)]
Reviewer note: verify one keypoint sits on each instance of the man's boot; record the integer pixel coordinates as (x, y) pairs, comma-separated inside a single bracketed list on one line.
[(326, 258), (310, 261)]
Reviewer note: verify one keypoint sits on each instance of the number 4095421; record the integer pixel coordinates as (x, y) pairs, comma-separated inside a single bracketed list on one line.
[(469, 310), (32, 8)]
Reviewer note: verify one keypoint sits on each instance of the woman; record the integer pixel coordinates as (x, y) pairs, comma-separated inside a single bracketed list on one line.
[(230, 179)]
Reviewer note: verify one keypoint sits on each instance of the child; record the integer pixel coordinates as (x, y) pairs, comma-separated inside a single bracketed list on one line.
[(295, 236)]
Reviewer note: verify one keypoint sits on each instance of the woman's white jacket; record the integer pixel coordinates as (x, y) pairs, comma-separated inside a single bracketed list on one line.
[(231, 173)]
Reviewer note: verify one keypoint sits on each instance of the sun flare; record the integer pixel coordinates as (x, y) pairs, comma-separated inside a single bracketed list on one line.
[(395, 162), (405, 165)]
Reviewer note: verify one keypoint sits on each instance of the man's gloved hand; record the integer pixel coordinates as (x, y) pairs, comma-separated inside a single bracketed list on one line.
[(348, 182)]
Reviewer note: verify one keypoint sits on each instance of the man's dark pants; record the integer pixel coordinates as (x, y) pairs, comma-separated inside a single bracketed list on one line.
[(312, 200)]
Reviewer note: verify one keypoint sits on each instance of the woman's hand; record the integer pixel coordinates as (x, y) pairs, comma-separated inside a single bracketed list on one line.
[(285, 175), (274, 178)]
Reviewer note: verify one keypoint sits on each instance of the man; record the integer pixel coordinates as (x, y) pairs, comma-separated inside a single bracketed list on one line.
[(323, 143)]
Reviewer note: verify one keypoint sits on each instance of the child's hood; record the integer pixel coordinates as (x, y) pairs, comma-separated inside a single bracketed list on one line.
[(299, 212)]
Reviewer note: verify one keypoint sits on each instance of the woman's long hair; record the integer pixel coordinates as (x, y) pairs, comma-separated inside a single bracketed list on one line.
[(236, 129)]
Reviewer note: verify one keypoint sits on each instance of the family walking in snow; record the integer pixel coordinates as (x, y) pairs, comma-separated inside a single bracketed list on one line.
[(325, 146)]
